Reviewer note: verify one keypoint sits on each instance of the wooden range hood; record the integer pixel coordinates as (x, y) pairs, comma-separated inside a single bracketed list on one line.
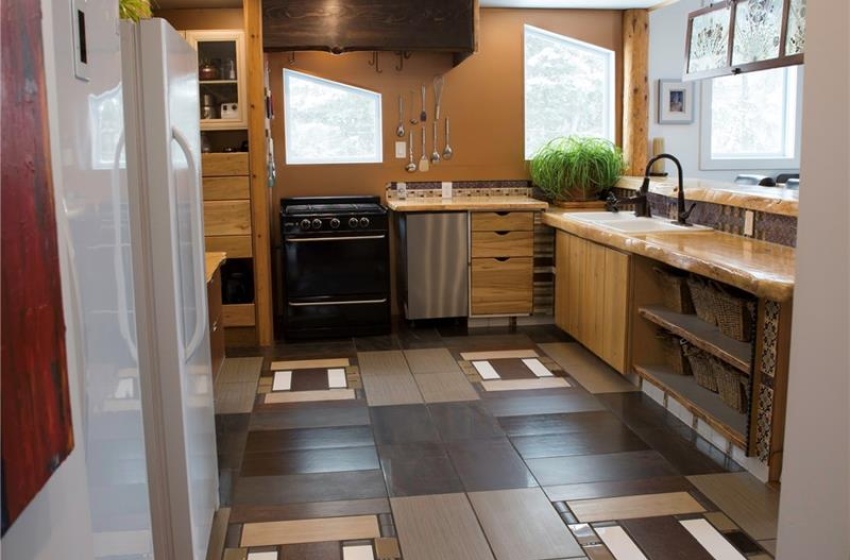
[(338, 26)]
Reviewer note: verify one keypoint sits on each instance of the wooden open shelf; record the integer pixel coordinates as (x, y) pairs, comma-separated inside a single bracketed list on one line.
[(702, 335), (702, 403)]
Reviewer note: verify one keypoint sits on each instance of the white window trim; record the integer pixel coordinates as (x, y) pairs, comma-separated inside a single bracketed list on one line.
[(379, 140), (610, 117), (706, 162)]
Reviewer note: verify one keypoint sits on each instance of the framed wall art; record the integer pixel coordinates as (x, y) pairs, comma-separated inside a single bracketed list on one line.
[(675, 102)]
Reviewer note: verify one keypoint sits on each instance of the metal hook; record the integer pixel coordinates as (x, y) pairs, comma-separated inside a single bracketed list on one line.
[(376, 62), (402, 56)]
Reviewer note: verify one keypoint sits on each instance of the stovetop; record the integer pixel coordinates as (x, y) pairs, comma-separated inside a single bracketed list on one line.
[(332, 215)]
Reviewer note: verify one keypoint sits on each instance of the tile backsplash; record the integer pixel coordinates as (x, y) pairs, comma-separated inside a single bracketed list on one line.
[(433, 189)]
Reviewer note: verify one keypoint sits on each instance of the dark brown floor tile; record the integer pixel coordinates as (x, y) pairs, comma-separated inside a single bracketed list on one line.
[(234, 535), (402, 424), (290, 512), (419, 338), (550, 402), (313, 379), (594, 468), (614, 488), (576, 422), (231, 430), (377, 343), (742, 542), (512, 368), (490, 464), (226, 486), (269, 441), (326, 415), (464, 421), (301, 488), (540, 334), (417, 469), (595, 442), (308, 461), (664, 538), (311, 551)]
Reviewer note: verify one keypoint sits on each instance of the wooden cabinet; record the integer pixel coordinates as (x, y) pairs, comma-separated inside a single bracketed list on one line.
[(502, 263), (592, 297), (216, 322), (221, 62)]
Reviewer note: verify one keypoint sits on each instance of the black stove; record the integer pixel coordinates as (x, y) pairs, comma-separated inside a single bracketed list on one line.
[(301, 215)]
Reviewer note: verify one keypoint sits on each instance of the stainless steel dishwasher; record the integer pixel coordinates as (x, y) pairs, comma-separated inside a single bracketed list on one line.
[(432, 265)]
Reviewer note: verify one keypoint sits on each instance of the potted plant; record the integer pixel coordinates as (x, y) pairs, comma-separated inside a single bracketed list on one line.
[(134, 9), (576, 169)]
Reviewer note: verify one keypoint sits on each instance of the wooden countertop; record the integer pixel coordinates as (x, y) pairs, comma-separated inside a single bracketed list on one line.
[(467, 203), (761, 268), (212, 262)]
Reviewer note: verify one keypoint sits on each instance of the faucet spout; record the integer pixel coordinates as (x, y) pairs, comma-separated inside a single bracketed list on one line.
[(682, 214)]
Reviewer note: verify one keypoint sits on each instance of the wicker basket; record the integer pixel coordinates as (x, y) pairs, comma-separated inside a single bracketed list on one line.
[(731, 385), (674, 353), (701, 368), (734, 313), (702, 295), (674, 288)]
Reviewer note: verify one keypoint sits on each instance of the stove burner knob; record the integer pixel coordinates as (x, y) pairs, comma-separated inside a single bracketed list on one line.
[(334, 223), (364, 222), (352, 223), (305, 224), (317, 224)]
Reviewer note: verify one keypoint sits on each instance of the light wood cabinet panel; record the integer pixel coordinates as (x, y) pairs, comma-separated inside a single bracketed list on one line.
[(502, 244), (239, 315), (502, 286), (227, 218), (502, 221), (227, 188), (222, 164), (236, 246), (216, 322)]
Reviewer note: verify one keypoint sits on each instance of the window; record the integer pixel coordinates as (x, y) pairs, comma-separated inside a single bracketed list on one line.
[(569, 89), (329, 122), (751, 121)]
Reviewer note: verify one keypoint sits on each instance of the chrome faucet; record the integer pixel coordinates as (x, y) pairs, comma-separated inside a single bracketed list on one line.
[(642, 205)]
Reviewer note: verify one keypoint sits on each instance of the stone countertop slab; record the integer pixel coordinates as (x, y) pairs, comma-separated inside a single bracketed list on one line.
[(759, 267), (211, 263), (467, 203), (772, 200)]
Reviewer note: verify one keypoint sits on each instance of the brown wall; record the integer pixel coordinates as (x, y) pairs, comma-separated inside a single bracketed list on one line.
[(185, 20), (483, 97)]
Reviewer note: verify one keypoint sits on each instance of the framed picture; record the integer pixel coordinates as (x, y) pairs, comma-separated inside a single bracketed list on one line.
[(675, 102)]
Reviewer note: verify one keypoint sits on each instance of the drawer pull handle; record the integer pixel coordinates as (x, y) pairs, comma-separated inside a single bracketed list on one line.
[(502, 213), (502, 232), (502, 259)]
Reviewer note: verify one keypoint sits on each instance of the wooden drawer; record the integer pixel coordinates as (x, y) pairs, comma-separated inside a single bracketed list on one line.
[(502, 221), (502, 286), (217, 165), (502, 244), (227, 188), (227, 218), (239, 315), (236, 246)]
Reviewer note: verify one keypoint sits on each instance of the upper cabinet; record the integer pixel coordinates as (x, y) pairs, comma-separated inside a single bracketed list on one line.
[(738, 36), (371, 25), (221, 78)]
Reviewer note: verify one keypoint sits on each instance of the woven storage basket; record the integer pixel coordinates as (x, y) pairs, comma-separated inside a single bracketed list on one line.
[(701, 368), (702, 295), (730, 385), (674, 288), (674, 353), (734, 313)]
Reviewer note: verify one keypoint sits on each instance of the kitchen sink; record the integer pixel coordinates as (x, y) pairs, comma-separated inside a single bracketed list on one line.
[(602, 216), (627, 222)]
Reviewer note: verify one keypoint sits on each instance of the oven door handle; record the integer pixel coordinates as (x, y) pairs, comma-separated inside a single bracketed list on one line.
[(341, 238), (350, 302)]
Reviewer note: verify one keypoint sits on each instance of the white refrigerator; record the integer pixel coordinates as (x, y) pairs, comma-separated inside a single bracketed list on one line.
[(162, 138)]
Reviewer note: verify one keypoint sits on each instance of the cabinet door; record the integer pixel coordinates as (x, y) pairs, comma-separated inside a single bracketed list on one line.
[(502, 286), (221, 78)]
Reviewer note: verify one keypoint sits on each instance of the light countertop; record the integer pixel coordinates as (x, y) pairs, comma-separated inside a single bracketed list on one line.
[(467, 203), (759, 267), (212, 262)]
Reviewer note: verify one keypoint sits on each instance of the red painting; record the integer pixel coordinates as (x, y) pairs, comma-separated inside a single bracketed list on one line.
[(36, 412)]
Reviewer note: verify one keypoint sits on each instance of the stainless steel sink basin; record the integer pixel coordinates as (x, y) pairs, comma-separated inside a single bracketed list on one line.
[(627, 222)]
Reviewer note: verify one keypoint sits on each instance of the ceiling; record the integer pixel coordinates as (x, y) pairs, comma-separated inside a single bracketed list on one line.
[(586, 4)]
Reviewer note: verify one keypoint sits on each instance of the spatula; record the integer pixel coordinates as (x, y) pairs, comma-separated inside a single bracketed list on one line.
[(423, 161)]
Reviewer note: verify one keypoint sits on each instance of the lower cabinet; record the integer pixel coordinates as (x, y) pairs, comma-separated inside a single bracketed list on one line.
[(591, 297)]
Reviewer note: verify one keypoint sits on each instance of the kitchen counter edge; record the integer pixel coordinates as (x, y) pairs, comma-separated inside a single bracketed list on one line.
[(213, 260), (464, 204)]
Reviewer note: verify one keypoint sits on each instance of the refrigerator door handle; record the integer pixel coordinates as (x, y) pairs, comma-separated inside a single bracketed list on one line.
[(118, 258), (200, 309)]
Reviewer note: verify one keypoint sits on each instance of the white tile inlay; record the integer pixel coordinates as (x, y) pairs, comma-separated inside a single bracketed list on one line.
[(270, 555), (619, 543), (485, 370), (711, 540), (536, 367), (358, 552), (336, 378), (282, 381)]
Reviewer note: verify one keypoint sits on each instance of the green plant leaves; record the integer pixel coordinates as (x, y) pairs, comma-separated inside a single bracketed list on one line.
[(576, 168)]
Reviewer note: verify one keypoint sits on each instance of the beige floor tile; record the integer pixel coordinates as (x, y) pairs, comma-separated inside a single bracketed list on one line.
[(391, 362), (387, 549), (769, 545), (440, 526), (720, 521), (634, 507), (310, 530), (745, 499), (431, 360), (445, 387), (592, 373), (240, 370), (235, 554), (523, 525), (309, 396), (523, 384), (218, 533), (496, 354), (386, 389), (311, 364)]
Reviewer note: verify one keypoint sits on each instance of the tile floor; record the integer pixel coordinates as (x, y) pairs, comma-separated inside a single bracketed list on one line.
[(446, 443)]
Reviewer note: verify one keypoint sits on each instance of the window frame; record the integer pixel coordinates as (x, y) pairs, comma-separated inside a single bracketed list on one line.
[(793, 139), (609, 117), (378, 141)]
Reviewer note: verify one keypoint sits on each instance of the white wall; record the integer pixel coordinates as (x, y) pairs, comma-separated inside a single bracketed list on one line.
[(814, 514)]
